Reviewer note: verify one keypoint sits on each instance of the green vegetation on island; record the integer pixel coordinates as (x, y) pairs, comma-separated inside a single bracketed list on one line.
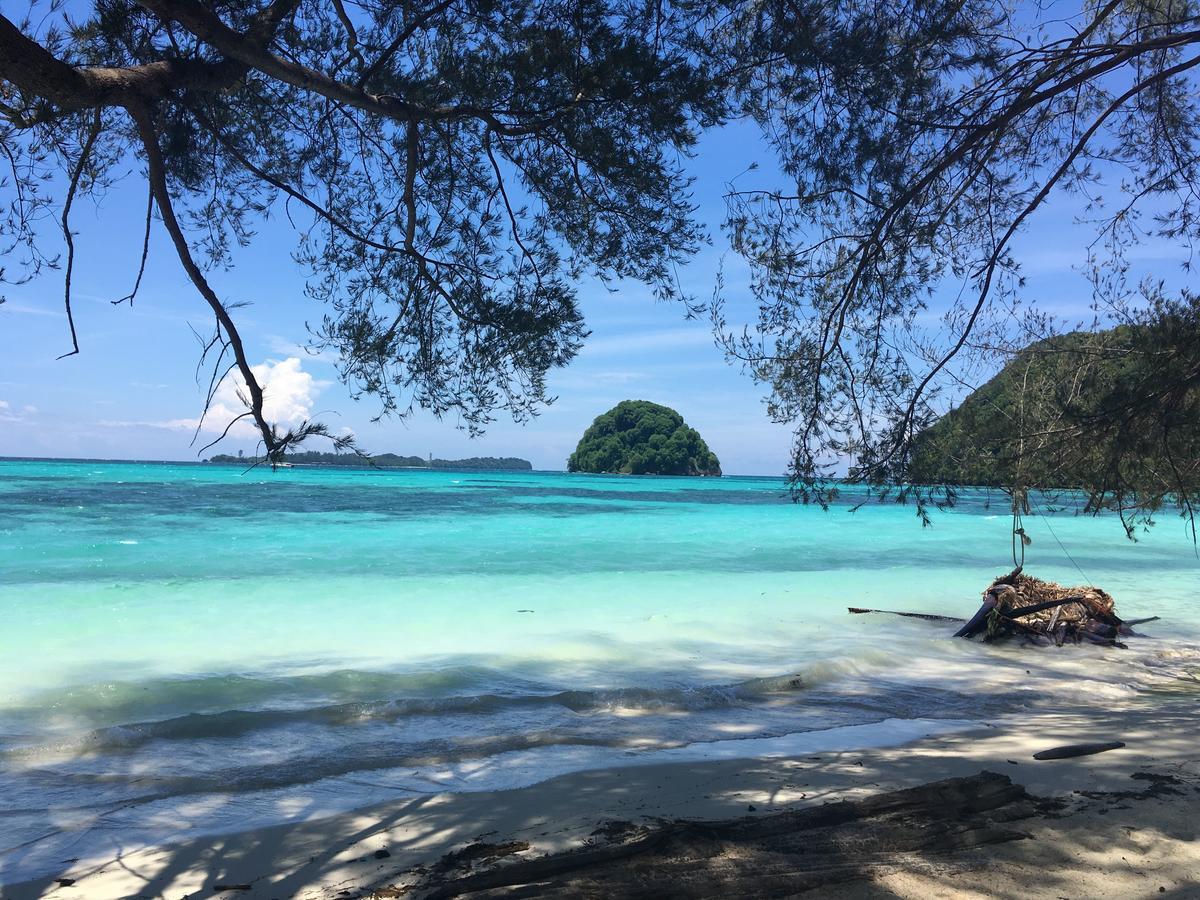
[(387, 461), (979, 441), (1113, 413), (637, 437)]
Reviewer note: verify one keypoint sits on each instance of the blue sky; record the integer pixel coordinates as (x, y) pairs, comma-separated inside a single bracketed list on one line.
[(132, 392)]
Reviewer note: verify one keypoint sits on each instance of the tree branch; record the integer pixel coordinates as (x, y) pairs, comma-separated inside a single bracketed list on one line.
[(36, 71), (384, 57), (156, 171), (207, 26), (84, 152), (145, 251), (1028, 210)]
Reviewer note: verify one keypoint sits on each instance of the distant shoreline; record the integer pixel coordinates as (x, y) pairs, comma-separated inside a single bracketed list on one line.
[(100, 459), (248, 462), (364, 466), (440, 465), (316, 459)]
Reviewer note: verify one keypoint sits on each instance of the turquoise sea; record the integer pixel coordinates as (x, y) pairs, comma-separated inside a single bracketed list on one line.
[(187, 649)]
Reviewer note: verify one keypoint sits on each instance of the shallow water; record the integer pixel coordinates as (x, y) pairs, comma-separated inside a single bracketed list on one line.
[(192, 648)]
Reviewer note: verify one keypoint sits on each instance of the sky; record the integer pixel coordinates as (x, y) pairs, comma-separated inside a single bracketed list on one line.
[(133, 391)]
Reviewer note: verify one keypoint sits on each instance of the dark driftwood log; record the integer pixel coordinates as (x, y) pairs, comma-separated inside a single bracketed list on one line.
[(1072, 750), (929, 617), (978, 621), (1038, 607), (1101, 641)]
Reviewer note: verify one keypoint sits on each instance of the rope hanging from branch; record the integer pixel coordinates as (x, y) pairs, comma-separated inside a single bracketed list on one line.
[(1020, 540)]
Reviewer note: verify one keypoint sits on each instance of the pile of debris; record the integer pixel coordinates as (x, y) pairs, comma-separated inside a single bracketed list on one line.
[(1041, 612), (1019, 605)]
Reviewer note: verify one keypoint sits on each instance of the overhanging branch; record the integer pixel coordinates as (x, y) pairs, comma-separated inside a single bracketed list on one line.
[(156, 172)]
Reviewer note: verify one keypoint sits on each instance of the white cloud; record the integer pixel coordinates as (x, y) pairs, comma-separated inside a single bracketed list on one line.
[(288, 396), (21, 309), (578, 378), (9, 413)]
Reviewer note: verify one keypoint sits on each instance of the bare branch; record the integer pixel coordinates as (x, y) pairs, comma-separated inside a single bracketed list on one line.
[(158, 186), (80, 164), (137, 283)]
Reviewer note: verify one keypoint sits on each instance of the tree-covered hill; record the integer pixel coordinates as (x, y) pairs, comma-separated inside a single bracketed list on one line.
[(1071, 411), (637, 437), (389, 461)]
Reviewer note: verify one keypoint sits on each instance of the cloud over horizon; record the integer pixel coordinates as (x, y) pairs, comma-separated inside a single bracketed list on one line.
[(289, 393), (9, 413)]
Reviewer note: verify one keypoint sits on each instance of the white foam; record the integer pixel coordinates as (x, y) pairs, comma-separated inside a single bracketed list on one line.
[(888, 733)]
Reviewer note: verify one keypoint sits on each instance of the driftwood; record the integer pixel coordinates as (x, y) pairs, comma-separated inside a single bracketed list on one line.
[(1129, 622), (1019, 605), (1040, 612), (928, 617), (1072, 750), (977, 621)]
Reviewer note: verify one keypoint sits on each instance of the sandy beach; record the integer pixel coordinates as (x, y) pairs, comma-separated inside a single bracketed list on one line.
[(1118, 824)]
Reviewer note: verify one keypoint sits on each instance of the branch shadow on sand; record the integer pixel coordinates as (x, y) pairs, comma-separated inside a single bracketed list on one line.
[(738, 828)]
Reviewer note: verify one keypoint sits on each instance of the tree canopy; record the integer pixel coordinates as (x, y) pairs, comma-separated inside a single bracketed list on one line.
[(917, 142), (453, 168), (637, 437)]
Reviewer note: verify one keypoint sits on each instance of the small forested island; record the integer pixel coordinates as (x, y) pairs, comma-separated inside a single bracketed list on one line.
[(637, 437), (387, 461)]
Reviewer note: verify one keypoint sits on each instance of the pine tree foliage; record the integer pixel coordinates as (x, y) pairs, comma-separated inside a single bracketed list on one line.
[(918, 141), (452, 169)]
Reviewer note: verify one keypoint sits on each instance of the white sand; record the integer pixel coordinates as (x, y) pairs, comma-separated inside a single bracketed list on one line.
[(1103, 846)]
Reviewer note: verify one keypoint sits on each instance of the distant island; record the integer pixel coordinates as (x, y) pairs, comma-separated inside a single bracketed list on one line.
[(387, 461), (637, 437)]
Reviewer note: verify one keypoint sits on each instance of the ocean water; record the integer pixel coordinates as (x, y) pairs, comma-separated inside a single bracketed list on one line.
[(189, 649)]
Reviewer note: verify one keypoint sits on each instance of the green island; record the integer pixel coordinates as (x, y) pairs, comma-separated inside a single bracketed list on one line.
[(1064, 409), (637, 437), (387, 461)]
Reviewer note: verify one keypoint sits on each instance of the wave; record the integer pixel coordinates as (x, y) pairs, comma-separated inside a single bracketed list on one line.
[(231, 723), (133, 714), (406, 761), (117, 700), (295, 738)]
